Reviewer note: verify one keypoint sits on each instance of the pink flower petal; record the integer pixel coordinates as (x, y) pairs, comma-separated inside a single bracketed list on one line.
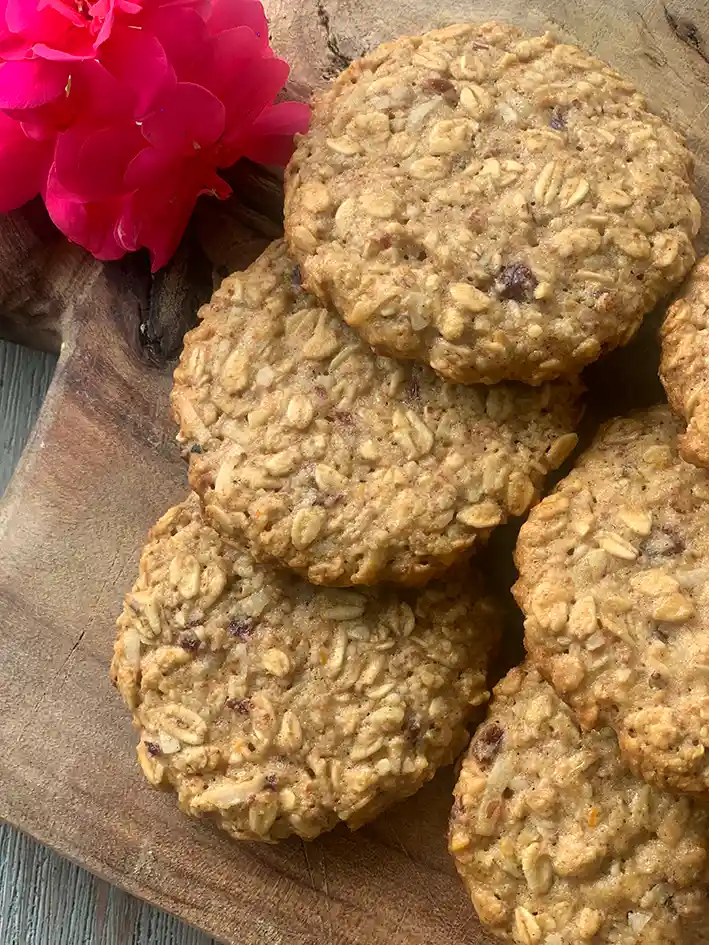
[(158, 225), (35, 131), (185, 120), (91, 225), (229, 52), (149, 166), (75, 44), (31, 82), (283, 118), (91, 164), (228, 14), (165, 193), (67, 10), (125, 6), (103, 16), (13, 48), (11, 45), (183, 35), (106, 30), (98, 96), (161, 93), (24, 165), (215, 186), (22, 16), (138, 61), (45, 120), (29, 23), (270, 138), (101, 9), (154, 169), (201, 6), (260, 77)]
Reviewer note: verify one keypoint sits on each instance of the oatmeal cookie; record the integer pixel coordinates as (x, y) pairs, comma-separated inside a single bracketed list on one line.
[(273, 707), (497, 205), (347, 467), (614, 583), (559, 844), (684, 368)]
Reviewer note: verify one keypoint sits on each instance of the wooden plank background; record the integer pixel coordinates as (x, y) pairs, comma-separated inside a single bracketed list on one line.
[(45, 899)]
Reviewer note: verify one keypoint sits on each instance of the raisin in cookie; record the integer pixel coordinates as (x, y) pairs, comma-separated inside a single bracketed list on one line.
[(684, 368), (347, 467), (558, 843), (274, 707), (497, 205), (614, 583)]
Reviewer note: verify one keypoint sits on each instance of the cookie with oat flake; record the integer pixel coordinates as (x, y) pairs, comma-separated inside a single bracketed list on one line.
[(496, 205), (558, 843), (273, 707), (684, 368), (614, 583), (348, 467)]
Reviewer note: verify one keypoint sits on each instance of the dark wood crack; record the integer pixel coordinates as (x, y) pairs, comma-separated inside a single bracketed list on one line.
[(175, 295), (687, 32), (339, 60), (166, 302)]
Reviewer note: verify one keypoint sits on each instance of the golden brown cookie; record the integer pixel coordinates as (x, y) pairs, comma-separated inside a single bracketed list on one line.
[(497, 205), (558, 843), (273, 707), (684, 368), (347, 467), (614, 583)]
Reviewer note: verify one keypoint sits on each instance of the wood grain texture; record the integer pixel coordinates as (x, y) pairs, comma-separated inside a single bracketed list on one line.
[(45, 899), (102, 466)]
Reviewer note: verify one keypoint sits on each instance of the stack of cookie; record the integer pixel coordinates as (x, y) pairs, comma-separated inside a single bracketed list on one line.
[(580, 811), (474, 216)]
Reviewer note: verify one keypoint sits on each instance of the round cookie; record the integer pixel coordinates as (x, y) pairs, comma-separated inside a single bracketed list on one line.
[(559, 844), (347, 467), (684, 367), (614, 583), (496, 205), (273, 707)]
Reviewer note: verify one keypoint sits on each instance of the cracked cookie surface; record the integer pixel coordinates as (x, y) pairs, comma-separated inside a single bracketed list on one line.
[(496, 205), (558, 843), (274, 707), (614, 584), (348, 467), (684, 368)]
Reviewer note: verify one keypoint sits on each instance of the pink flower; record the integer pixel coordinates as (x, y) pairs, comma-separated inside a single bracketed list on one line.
[(120, 113)]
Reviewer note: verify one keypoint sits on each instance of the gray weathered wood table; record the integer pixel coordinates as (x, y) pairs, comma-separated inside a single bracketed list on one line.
[(45, 899)]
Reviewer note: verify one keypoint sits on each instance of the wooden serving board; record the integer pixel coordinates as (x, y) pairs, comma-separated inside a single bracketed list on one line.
[(102, 466)]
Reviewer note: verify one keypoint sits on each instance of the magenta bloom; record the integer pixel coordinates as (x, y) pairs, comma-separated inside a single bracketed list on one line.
[(120, 113)]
